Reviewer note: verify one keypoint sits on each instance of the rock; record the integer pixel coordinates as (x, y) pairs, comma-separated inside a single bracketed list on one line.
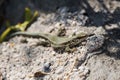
[(59, 70), (28, 57), (94, 42), (100, 31), (46, 67)]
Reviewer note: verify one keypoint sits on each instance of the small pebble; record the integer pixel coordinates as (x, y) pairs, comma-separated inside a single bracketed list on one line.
[(60, 70), (53, 53), (46, 67), (74, 70), (81, 68)]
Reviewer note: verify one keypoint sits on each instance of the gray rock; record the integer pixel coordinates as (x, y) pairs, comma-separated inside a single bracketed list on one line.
[(94, 42), (100, 31), (46, 67)]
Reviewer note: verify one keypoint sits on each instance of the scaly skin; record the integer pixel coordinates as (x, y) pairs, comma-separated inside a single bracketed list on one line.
[(55, 41)]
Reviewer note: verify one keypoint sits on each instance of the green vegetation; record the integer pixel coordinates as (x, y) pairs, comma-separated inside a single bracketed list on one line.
[(29, 17)]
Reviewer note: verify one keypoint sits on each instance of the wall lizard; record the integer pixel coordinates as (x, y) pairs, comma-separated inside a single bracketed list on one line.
[(54, 40)]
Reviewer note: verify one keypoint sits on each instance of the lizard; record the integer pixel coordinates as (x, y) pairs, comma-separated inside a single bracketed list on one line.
[(56, 41)]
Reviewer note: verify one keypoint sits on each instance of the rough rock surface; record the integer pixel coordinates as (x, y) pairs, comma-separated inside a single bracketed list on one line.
[(22, 58)]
